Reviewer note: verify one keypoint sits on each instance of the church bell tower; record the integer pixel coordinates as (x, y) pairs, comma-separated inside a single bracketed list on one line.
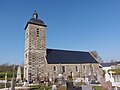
[(35, 48)]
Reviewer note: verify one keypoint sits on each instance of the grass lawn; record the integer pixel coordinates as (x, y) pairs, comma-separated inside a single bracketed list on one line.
[(97, 87), (2, 85), (40, 87), (100, 88)]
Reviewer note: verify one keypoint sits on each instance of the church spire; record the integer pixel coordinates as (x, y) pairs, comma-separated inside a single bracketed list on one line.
[(35, 15)]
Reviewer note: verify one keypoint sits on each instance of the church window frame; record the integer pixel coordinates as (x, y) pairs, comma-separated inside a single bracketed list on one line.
[(84, 67), (37, 32), (26, 55), (54, 68), (63, 69), (76, 68)]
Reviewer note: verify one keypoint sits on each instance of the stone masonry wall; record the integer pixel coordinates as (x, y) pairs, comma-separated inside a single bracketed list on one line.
[(35, 51), (78, 70)]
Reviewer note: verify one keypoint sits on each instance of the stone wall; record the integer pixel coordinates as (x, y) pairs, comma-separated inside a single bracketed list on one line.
[(35, 51), (78, 70)]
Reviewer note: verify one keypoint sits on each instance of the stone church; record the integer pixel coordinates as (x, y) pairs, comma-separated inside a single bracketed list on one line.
[(40, 61)]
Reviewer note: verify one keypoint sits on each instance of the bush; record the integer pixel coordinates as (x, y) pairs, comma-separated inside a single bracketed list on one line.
[(9, 75), (78, 84), (2, 75), (116, 71), (69, 78)]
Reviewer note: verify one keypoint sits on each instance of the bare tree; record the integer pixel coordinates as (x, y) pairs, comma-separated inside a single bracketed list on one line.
[(95, 54)]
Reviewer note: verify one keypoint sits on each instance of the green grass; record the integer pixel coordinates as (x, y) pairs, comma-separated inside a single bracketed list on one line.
[(2, 85), (79, 84), (8, 79), (40, 87), (116, 71), (100, 88), (97, 87)]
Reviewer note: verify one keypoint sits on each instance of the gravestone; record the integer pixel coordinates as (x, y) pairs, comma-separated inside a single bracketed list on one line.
[(13, 79), (60, 79), (69, 85), (5, 80), (86, 87), (54, 87), (19, 74)]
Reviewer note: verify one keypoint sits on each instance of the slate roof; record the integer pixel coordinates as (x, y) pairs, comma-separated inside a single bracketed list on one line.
[(55, 56), (110, 64), (36, 22)]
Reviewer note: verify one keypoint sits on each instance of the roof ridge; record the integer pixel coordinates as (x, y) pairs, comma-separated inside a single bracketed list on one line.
[(67, 50)]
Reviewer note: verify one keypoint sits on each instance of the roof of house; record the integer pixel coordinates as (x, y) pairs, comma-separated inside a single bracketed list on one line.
[(109, 64), (55, 56)]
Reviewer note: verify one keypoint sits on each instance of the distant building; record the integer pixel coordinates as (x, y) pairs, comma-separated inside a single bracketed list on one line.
[(40, 61), (113, 66)]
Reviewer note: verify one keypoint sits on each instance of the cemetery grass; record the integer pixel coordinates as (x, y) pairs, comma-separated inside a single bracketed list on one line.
[(40, 87), (8, 79), (101, 88), (2, 85), (97, 87)]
